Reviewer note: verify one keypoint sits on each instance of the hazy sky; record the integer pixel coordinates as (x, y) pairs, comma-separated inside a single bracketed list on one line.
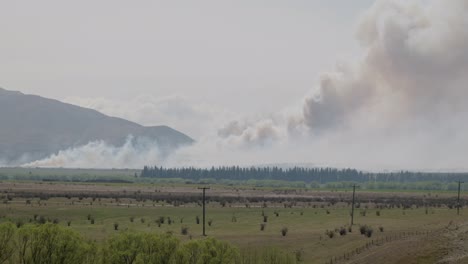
[(246, 56), (342, 83)]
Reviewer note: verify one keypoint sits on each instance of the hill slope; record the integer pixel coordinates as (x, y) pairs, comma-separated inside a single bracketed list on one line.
[(33, 127)]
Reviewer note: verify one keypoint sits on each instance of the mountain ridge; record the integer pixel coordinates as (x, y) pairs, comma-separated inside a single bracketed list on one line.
[(35, 127)]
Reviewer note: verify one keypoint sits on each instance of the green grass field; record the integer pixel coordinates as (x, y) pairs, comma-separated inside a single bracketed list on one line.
[(306, 226)]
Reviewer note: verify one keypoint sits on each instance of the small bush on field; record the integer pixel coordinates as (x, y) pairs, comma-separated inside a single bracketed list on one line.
[(343, 231), (210, 222), (262, 226), (265, 218), (362, 229), (234, 219), (142, 220), (116, 226), (330, 233), (197, 220), (381, 228), (132, 218), (284, 231), (184, 230), (366, 230), (68, 223), (377, 213)]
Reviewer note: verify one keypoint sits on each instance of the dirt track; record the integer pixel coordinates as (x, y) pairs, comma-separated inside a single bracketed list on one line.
[(448, 245)]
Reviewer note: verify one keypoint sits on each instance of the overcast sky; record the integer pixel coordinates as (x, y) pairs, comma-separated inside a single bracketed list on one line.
[(247, 56), (342, 83)]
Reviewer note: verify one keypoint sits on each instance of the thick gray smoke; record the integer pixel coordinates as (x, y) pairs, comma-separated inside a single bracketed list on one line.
[(402, 106), (415, 67)]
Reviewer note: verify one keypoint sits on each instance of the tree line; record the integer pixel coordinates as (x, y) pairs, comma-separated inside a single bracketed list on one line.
[(299, 174)]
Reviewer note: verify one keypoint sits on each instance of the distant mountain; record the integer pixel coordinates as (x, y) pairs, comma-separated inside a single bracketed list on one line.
[(33, 127)]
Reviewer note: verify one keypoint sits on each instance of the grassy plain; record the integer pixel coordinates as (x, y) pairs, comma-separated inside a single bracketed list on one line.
[(238, 222)]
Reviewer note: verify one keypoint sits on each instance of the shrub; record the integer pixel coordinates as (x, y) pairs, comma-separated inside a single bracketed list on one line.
[(68, 223), (284, 231), (362, 229), (342, 231), (381, 228), (116, 226), (377, 213), (197, 220), (19, 223), (330, 233), (142, 220), (7, 245), (210, 222), (184, 230), (265, 218), (132, 218), (262, 226), (369, 232)]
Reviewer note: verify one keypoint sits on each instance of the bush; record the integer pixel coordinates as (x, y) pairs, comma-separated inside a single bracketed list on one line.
[(262, 226), (366, 230), (197, 220), (362, 229), (265, 218), (207, 251), (210, 222), (381, 228), (184, 230), (116, 226), (377, 213), (330, 233), (284, 231), (7, 245), (132, 218), (342, 231)]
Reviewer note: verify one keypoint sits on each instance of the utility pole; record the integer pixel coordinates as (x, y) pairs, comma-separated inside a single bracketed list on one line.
[(352, 208), (204, 189), (458, 199)]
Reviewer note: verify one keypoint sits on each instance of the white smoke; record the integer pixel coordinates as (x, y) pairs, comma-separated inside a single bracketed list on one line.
[(135, 153), (401, 106)]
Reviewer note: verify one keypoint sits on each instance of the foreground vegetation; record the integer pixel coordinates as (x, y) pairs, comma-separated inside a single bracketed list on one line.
[(52, 244)]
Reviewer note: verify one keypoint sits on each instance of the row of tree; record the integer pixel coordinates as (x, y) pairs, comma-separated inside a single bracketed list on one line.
[(319, 175), (54, 244)]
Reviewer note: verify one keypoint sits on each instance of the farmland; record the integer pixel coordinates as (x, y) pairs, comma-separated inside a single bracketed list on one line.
[(250, 217)]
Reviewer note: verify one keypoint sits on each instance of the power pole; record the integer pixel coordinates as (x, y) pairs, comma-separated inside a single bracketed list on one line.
[(204, 189), (352, 208), (458, 199)]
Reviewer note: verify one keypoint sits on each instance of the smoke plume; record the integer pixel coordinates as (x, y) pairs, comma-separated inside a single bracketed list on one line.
[(402, 105)]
